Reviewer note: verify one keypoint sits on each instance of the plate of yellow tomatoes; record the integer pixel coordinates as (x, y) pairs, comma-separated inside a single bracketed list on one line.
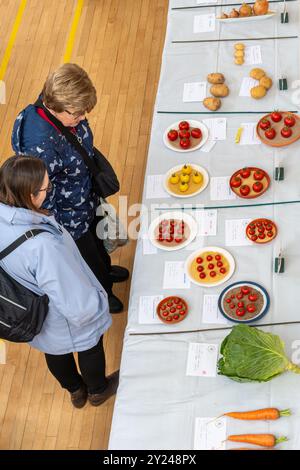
[(186, 180)]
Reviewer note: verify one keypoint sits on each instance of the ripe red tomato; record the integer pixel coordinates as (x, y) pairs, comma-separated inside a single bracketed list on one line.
[(212, 273), (202, 275), (254, 238), (276, 116), (211, 266), (176, 301), (182, 312), (236, 182), (209, 258), (240, 304), (245, 173), (244, 190), (240, 295), (184, 134), (270, 133), (200, 269), (257, 187), (172, 135), (199, 260), (286, 132), (252, 297), (245, 290), (184, 125), (185, 143), (228, 300), (218, 257), (172, 310), (264, 124), (251, 308), (289, 120), (222, 270), (196, 133), (176, 317), (258, 175), (240, 312), (232, 306), (219, 264), (170, 303), (262, 236), (178, 240), (270, 234)]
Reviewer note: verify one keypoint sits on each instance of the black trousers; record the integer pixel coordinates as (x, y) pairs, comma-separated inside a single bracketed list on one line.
[(91, 364), (95, 255)]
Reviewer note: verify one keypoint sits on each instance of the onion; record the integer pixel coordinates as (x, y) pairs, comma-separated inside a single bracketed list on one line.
[(245, 10), (234, 14), (261, 7)]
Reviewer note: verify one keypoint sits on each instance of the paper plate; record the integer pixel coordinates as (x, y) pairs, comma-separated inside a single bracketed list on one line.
[(173, 215)]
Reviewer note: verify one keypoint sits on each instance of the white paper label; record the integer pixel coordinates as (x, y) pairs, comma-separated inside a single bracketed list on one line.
[(253, 55), (175, 276), (235, 232), (155, 187), (195, 91), (204, 23), (217, 128), (246, 86), (211, 313), (147, 309), (202, 360), (220, 189), (210, 434), (249, 136)]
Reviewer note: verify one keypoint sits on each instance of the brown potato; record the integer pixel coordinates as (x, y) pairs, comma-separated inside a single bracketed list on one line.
[(220, 91), (258, 92), (266, 82), (213, 104), (257, 73), (216, 78)]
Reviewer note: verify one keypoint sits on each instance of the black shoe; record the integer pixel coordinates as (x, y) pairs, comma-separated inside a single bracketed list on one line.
[(97, 399), (115, 305), (79, 398), (118, 274)]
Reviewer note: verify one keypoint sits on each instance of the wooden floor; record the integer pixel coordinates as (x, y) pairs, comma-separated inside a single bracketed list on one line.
[(119, 43)]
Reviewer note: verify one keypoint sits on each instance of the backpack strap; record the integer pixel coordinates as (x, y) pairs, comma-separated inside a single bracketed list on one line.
[(19, 241)]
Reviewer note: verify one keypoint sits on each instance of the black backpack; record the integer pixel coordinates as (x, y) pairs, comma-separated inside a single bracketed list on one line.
[(22, 312)]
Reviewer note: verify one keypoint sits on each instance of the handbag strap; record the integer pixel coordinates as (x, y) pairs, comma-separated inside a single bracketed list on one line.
[(70, 137), (19, 241)]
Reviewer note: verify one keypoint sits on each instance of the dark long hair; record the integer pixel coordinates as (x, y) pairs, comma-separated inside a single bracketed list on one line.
[(20, 177)]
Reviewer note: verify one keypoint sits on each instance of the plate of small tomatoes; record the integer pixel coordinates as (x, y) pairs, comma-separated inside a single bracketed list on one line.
[(261, 231), (279, 128), (186, 136), (172, 310), (249, 182)]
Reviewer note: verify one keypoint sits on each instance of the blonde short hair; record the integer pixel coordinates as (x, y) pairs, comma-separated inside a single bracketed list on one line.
[(69, 87)]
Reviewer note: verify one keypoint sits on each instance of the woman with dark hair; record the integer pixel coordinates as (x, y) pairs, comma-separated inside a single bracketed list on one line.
[(51, 264), (68, 94)]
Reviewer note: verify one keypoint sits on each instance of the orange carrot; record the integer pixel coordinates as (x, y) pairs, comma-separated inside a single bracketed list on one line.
[(251, 448), (263, 440), (265, 413)]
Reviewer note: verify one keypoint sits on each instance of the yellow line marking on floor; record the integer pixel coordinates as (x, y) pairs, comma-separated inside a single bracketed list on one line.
[(71, 38), (12, 39)]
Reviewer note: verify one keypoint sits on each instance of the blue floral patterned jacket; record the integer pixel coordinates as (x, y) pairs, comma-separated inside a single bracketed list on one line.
[(72, 201)]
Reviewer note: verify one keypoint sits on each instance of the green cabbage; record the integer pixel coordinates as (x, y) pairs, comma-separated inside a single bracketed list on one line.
[(251, 355)]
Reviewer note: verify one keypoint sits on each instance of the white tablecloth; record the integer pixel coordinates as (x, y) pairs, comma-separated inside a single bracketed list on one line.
[(157, 403)]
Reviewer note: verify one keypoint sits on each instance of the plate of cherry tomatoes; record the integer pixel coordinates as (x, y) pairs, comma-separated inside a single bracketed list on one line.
[(172, 310), (185, 136), (279, 128), (261, 231), (249, 182), (172, 230)]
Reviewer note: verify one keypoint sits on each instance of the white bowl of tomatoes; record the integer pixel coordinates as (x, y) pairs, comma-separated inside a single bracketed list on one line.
[(186, 136)]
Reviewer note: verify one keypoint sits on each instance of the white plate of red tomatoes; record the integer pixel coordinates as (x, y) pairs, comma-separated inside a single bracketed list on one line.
[(175, 230), (249, 182), (279, 128), (186, 136)]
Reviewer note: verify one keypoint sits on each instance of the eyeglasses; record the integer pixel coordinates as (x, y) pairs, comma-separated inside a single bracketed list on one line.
[(75, 115), (48, 189)]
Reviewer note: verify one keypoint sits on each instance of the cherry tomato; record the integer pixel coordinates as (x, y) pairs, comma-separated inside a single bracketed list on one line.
[(182, 312), (165, 314), (222, 270), (179, 307), (240, 296), (270, 133), (172, 310), (196, 133), (262, 236), (244, 190), (170, 239), (178, 240), (232, 306), (219, 264), (199, 260), (218, 257), (184, 125), (228, 300), (261, 230), (184, 134), (185, 143), (241, 304), (170, 303), (251, 308), (172, 135), (245, 173), (209, 258), (252, 297), (169, 318), (289, 120), (212, 273), (264, 124), (211, 266), (286, 132), (254, 238), (276, 116), (245, 290), (232, 296), (200, 269), (240, 312), (270, 234), (176, 317), (251, 232), (202, 275), (176, 301)]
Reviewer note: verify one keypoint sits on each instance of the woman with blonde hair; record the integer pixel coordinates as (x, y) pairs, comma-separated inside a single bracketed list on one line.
[(68, 94), (50, 264)]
